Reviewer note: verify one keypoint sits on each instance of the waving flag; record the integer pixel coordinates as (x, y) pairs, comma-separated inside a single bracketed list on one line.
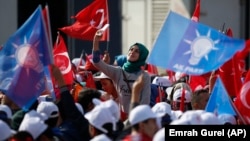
[(23, 58), (62, 60), (219, 101), (196, 14), (89, 20), (242, 102), (191, 47)]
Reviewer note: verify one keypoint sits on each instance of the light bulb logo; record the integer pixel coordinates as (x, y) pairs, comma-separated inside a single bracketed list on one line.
[(200, 47), (28, 57)]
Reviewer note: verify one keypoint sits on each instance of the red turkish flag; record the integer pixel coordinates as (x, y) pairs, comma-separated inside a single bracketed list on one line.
[(242, 102), (88, 21), (62, 60), (196, 14), (230, 73), (198, 82)]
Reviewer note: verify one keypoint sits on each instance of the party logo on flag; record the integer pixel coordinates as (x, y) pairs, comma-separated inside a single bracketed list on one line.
[(191, 47), (23, 58)]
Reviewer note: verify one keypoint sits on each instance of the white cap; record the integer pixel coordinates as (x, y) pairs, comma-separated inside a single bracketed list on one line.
[(159, 135), (110, 105), (209, 118), (227, 118), (79, 107), (46, 97), (99, 116), (176, 114), (34, 125), (141, 113), (162, 81), (178, 93), (5, 131), (7, 110), (101, 76), (49, 108), (162, 108)]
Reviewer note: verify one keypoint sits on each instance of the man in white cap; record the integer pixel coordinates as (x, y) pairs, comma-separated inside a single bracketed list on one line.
[(143, 123)]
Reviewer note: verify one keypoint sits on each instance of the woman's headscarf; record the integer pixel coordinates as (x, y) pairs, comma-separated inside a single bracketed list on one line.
[(136, 65)]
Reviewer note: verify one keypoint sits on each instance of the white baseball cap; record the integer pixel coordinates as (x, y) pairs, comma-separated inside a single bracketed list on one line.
[(34, 125), (227, 118), (159, 135), (100, 116), (49, 108), (110, 105), (101, 76), (162, 81), (162, 108), (141, 113), (5, 131), (178, 93)]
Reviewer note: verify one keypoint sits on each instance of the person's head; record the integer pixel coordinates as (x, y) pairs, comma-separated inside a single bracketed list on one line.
[(199, 99), (51, 110), (120, 60), (85, 98), (136, 58), (178, 96), (5, 131), (22, 136), (106, 83), (143, 120), (101, 121)]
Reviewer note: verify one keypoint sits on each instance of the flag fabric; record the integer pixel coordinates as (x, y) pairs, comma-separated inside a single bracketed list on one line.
[(62, 60), (219, 101), (191, 47), (152, 69), (196, 14), (23, 58), (88, 21), (49, 85), (197, 82), (242, 102), (46, 17), (230, 73)]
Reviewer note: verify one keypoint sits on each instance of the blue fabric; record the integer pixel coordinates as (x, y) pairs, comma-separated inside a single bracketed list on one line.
[(23, 58), (191, 47), (219, 101), (154, 94)]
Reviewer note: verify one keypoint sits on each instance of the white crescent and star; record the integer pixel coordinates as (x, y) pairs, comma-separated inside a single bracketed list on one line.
[(68, 67), (100, 25), (243, 94)]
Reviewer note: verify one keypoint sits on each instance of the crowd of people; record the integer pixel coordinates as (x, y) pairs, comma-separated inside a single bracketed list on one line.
[(125, 105)]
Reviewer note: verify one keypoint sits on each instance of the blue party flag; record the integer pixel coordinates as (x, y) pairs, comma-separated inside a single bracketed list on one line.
[(23, 58), (190, 47), (219, 101)]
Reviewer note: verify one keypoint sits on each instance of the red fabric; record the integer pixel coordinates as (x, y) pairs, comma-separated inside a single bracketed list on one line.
[(62, 61), (160, 96), (152, 69), (182, 105), (230, 73), (171, 75), (197, 82), (196, 14), (90, 83), (88, 21), (242, 102)]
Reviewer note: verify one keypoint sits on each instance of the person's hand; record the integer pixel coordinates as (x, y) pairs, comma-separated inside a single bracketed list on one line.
[(137, 87), (106, 57), (98, 35), (56, 73)]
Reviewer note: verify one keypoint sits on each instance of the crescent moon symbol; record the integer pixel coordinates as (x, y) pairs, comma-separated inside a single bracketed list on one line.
[(101, 20), (243, 94), (69, 63)]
